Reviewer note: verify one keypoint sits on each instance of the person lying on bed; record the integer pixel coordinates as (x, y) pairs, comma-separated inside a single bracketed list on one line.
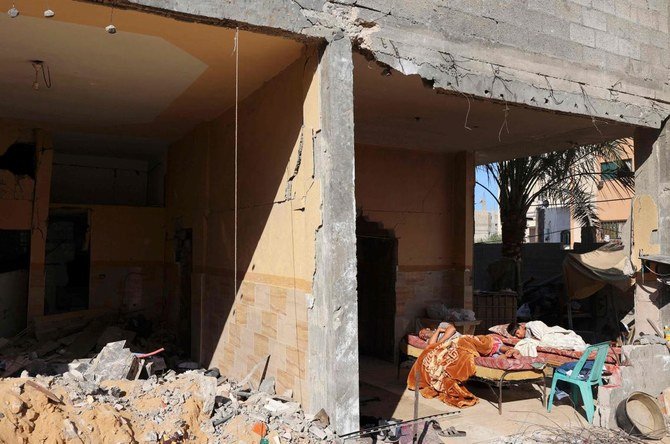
[(537, 333), (447, 363)]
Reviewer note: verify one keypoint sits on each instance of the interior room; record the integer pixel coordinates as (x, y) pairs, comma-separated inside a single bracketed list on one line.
[(159, 170), (416, 153)]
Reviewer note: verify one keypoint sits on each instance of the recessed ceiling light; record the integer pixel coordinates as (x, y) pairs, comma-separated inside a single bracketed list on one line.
[(13, 12), (111, 29)]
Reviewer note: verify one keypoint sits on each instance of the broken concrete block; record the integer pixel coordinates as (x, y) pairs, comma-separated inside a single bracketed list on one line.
[(155, 364), (318, 432), (78, 368), (69, 429), (282, 408), (322, 419), (267, 386), (207, 392), (150, 437), (113, 362)]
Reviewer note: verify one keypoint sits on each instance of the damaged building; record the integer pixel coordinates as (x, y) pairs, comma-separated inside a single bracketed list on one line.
[(295, 179)]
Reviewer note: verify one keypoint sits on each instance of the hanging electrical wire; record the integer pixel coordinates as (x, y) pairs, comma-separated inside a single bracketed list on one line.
[(236, 50)]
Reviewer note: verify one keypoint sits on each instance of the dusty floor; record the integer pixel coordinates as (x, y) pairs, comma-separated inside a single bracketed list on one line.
[(522, 407)]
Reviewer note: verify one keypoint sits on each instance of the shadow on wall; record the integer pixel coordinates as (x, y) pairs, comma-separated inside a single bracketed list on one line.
[(277, 218)]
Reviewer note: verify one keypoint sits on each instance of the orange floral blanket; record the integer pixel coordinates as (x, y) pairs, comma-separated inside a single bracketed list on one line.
[(444, 367)]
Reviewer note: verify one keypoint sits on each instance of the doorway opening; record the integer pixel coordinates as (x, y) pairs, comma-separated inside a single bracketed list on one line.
[(68, 261), (376, 251)]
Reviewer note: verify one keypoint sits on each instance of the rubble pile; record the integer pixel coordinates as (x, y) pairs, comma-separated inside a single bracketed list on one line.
[(121, 396)]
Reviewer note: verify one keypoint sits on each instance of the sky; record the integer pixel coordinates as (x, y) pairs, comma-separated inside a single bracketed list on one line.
[(480, 192)]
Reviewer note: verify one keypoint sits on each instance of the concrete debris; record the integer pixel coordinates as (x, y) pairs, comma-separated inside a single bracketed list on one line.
[(113, 362), (97, 400), (321, 419), (128, 393), (267, 386)]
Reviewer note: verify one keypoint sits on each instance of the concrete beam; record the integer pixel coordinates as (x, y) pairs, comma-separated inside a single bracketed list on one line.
[(333, 320), (542, 57)]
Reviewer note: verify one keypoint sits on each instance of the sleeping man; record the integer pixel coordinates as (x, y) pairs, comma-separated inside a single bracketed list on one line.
[(449, 360), (537, 333)]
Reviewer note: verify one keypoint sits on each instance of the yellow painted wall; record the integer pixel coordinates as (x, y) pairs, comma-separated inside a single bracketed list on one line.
[(127, 247), (279, 212), (411, 193), (618, 207)]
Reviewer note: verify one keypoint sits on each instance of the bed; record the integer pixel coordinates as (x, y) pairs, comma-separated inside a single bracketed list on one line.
[(413, 345), (495, 372), (555, 357)]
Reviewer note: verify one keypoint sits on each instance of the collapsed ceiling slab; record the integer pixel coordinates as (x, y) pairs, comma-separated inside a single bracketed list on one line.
[(516, 52), (395, 110)]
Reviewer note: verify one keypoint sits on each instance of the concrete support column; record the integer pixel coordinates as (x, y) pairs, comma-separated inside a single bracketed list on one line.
[(652, 176), (651, 222), (333, 320), (463, 233), (40, 221)]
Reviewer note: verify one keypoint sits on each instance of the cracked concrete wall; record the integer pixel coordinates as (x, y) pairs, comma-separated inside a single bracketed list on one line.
[(412, 193), (16, 192), (607, 59), (279, 212)]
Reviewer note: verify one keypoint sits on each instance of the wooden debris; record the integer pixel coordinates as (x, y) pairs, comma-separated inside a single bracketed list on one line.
[(45, 391)]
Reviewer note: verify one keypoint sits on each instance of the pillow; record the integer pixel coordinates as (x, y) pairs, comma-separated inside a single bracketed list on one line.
[(500, 330)]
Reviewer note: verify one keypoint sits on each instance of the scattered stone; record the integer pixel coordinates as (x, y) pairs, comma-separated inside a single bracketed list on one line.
[(99, 399), (150, 437), (113, 362), (217, 421), (267, 386), (321, 419), (70, 429), (318, 432), (213, 372)]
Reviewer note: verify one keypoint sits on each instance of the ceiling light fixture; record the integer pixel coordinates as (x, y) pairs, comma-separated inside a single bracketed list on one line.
[(13, 12), (48, 13), (111, 29)]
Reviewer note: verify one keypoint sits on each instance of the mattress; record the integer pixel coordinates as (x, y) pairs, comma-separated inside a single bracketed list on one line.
[(553, 356)]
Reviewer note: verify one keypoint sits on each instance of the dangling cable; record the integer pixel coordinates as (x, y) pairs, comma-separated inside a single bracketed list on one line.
[(237, 97), (46, 76)]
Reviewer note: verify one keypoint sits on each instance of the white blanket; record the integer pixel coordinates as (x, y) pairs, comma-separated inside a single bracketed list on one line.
[(539, 334)]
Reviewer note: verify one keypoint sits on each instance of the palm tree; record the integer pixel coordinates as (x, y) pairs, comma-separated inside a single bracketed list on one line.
[(564, 177)]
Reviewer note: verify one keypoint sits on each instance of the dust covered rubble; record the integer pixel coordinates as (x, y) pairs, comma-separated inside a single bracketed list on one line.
[(103, 400)]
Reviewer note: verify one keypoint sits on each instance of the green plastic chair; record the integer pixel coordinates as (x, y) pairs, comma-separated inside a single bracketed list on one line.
[(582, 379)]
